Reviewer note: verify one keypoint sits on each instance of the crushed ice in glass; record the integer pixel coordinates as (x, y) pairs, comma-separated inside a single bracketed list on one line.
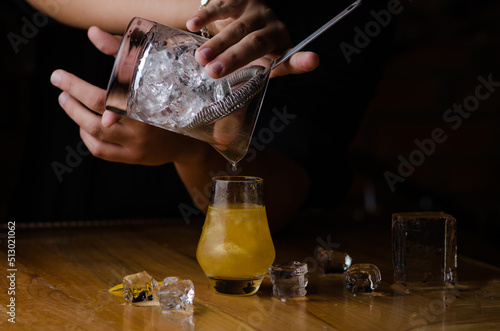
[(176, 295), (331, 261), (140, 287), (171, 86), (289, 280), (362, 278)]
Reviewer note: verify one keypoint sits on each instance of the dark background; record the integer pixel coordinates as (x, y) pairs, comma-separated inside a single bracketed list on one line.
[(440, 49)]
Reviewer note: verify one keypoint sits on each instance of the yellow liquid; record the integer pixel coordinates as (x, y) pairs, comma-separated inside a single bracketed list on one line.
[(236, 247)]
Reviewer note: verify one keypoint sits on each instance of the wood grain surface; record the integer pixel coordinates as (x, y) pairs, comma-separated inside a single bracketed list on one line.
[(63, 274)]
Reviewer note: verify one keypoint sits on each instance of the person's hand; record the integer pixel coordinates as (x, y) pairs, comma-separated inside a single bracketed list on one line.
[(299, 63), (113, 138), (126, 140), (246, 30)]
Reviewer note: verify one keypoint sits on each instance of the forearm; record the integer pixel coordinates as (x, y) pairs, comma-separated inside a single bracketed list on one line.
[(114, 15), (286, 183)]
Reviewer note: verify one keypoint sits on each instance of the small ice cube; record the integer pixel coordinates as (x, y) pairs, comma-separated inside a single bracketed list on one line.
[(289, 280), (362, 278), (221, 89), (332, 261), (176, 295), (140, 287), (189, 71)]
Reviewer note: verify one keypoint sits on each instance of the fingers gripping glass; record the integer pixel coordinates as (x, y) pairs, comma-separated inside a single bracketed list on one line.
[(157, 80), (256, 79)]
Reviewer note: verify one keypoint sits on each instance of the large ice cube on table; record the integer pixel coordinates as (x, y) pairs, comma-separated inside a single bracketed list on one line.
[(140, 287), (331, 261), (362, 278), (176, 295), (289, 280), (424, 248)]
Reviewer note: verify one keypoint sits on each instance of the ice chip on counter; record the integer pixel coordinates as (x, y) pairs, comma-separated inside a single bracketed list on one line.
[(331, 261), (140, 287), (289, 280), (362, 278), (176, 295)]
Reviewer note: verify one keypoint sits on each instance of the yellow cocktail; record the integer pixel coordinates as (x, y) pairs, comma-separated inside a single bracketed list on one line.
[(235, 248)]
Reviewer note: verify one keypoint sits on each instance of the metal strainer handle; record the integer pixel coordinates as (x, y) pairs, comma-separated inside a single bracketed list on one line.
[(316, 34)]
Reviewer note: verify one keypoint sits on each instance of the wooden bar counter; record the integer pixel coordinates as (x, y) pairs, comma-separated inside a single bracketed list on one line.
[(62, 273)]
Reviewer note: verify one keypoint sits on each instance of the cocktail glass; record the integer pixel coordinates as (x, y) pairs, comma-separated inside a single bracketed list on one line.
[(236, 249)]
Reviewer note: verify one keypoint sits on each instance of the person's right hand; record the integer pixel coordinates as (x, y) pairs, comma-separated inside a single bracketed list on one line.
[(245, 31)]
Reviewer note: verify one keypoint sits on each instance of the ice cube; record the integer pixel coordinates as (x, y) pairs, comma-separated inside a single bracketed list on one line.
[(176, 295), (332, 261), (140, 287), (188, 70), (289, 280), (158, 62), (362, 278), (221, 89), (424, 250)]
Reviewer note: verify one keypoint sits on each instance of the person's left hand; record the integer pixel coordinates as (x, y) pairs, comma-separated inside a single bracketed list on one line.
[(127, 140), (109, 136)]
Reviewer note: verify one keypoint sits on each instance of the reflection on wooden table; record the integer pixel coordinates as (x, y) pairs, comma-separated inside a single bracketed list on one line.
[(63, 275)]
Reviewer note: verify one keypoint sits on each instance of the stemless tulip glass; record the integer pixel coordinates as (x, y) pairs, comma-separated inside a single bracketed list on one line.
[(236, 249)]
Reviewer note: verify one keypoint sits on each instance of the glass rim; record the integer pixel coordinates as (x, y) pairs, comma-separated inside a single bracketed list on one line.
[(121, 79), (236, 178)]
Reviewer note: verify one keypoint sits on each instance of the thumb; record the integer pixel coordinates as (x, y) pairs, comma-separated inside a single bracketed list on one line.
[(103, 41), (299, 63), (109, 118)]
